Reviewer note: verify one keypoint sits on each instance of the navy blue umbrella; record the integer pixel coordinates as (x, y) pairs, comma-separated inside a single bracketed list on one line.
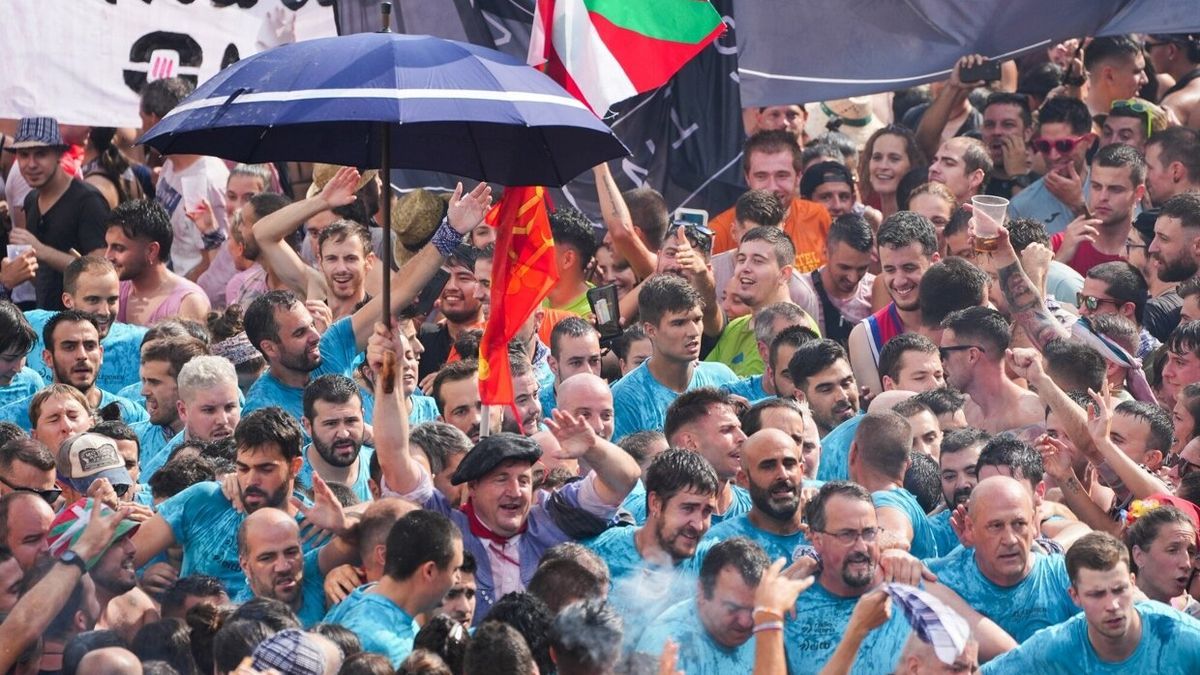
[(447, 106)]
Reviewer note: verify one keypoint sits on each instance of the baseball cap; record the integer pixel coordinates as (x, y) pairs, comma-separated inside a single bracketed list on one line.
[(86, 457), (821, 173), (70, 523)]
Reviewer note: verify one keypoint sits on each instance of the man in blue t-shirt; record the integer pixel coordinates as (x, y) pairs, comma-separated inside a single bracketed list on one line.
[(703, 421), (878, 461), (957, 461), (1001, 576), (333, 419), (424, 554), (652, 567), (672, 313), (775, 475), (162, 361), (209, 406), (1115, 633), (712, 629), (574, 349), (203, 520)]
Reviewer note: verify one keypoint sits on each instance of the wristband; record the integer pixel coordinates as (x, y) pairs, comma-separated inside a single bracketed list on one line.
[(770, 625), (446, 239), (213, 239)]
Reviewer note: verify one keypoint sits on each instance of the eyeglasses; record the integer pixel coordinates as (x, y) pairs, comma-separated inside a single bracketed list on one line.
[(1064, 145), (50, 496), (945, 352), (849, 537), (1136, 106), (1147, 46), (1092, 303), (1129, 246)]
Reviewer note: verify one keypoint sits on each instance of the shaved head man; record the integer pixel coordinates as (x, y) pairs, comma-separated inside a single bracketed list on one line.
[(276, 567), (589, 398)]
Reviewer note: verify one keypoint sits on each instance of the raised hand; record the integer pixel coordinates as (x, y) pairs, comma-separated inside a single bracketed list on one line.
[(968, 61), (97, 534), (18, 269), (202, 217), (1068, 189), (1078, 231), (871, 611), (321, 314), (467, 211), (340, 582), (1056, 458), (1016, 155), (341, 189), (777, 590), (575, 436), (903, 568), (326, 511), (1100, 415), (1025, 362)]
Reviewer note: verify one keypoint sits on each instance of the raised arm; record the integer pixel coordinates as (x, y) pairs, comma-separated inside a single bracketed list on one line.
[(775, 599), (949, 98), (1025, 303), (400, 471), (870, 612), (616, 471), (465, 212), (1135, 480), (620, 224), (153, 537)]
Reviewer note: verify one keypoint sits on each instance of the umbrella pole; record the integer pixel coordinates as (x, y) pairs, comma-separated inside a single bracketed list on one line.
[(386, 206)]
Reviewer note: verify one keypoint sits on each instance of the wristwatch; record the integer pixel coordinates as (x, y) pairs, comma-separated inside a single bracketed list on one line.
[(70, 557)]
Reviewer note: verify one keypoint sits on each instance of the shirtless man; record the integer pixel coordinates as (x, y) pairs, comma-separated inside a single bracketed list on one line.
[(139, 240), (973, 346), (1178, 56)]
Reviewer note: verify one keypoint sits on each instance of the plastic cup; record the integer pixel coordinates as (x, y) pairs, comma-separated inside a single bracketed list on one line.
[(990, 213)]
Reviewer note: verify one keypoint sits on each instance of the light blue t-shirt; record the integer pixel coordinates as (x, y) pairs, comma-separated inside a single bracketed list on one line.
[(775, 545), (133, 392), (424, 408), (1063, 282), (361, 486), (749, 388), (740, 506), (641, 590), (1038, 601), (205, 524), (641, 402), (17, 412), (152, 441), (1038, 203), (312, 592), (381, 625), (699, 654), (835, 450), (821, 620), (122, 362), (923, 543), (24, 385), (1170, 644), (635, 503), (549, 400), (338, 349), (943, 534)]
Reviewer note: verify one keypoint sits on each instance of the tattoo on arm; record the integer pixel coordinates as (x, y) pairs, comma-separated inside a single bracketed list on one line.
[(1028, 308)]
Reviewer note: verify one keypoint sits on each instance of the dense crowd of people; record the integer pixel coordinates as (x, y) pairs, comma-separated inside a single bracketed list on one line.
[(835, 431)]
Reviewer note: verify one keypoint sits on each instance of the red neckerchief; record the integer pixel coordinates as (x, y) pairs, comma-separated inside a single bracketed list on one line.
[(495, 541)]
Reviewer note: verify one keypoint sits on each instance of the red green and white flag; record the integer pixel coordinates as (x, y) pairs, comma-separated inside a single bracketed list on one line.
[(605, 51)]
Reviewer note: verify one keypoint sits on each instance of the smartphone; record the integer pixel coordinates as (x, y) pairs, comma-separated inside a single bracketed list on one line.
[(697, 217), (423, 305), (988, 71), (605, 307)]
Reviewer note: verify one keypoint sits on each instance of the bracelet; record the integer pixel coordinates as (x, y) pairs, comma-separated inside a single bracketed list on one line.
[(446, 239), (213, 239), (770, 625)]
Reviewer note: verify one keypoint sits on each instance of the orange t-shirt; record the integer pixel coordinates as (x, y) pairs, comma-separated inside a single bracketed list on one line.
[(549, 321), (807, 224)]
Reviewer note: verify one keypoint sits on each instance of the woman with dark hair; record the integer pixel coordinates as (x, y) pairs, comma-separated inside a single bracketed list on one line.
[(890, 153), (1162, 545), (108, 169)]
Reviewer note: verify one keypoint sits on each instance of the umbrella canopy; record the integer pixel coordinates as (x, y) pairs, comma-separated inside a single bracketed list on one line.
[(449, 106)]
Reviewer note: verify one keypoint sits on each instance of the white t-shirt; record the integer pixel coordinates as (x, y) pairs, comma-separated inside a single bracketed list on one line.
[(188, 246)]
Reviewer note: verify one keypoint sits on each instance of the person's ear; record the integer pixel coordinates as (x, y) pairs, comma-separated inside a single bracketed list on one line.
[(888, 384), (654, 505), (380, 554), (1154, 458), (1075, 594), (1138, 555), (976, 178), (306, 425), (48, 359), (296, 464)]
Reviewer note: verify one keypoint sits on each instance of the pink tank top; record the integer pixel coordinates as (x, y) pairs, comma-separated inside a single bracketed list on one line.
[(168, 308)]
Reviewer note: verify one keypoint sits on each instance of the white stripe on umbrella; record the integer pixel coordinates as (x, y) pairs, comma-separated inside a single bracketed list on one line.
[(378, 94), (586, 58)]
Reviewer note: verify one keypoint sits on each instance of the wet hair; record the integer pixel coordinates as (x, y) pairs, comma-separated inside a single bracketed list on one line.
[(10, 432), (983, 325), (166, 640), (176, 352), (814, 510), (663, 293), (1125, 283), (780, 242), (1162, 430), (260, 316), (269, 426), (1099, 551), (960, 220), (236, 640), (341, 230), (85, 643), (752, 419), (1009, 451), (274, 614), (675, 470), (1074, 366), (27, 451), (637, 444), (497, 649), (417, 538), (439, 441), (894, 350), (908, 227), (1007, 98), (811, 358), (1025, 231), (923, 479), (691, 406), (146, 220), (957, 440), (624, 342), (648, 212), (1178, 144), (65, 316), (466, 345), (16, 335), (345, 639), (1065, 110), (563, 581), (760, 207), (586, 636), (852, 230), (742, 554), (445, 639), (1119, 155), (329, 388), (571, 229), (950, 285), (793, 336), (192, 585), (531, 619)]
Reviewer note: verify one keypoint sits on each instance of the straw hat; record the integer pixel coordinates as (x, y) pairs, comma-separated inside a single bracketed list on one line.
[(415, 217), (857, 120), (323, 173)]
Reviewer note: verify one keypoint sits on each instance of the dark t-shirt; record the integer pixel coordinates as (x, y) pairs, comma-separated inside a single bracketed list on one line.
[(1160, 316), (75, 221), (437, 343)]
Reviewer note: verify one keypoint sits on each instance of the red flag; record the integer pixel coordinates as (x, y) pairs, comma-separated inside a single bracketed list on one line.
[(523, 272)]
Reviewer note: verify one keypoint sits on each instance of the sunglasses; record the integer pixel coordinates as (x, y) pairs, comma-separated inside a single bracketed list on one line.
[(945, 352), (1064, 146), (1148, 45), (1092, 302), (1136, 106), (49, 496)]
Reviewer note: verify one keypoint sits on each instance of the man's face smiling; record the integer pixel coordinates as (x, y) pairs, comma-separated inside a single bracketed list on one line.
[(903, 268), (775, 172), (98, 294)]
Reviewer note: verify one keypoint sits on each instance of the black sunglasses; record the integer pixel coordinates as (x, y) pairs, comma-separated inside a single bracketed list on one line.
[(1092, 302), (945, 352), (50, 496)]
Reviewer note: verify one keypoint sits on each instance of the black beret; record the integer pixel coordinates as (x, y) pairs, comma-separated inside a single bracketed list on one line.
[(493, 450)]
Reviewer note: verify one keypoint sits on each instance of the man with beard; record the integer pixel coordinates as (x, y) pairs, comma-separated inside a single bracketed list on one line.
[(456, 392), (774, 475), (1007, 128), (838, 294), (74, 354), (283, 330), (139, 240), (1117, 183), (772, 160), (277, 567), (16, 340), (703, 421), (124, 607), (973, 345), (527, 405), (713, 627), (959, 454), (1115, 631), (844, 531), (655, 565), (1064, 136), (878, 462), (162, 361), (1176, 243), (204, 522), (907, 245), (997, 570), (824, 379), (460, 308), (1172, 163), (333, 419), (795, 421), (90, 285), (504, 524), (208, 404)]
